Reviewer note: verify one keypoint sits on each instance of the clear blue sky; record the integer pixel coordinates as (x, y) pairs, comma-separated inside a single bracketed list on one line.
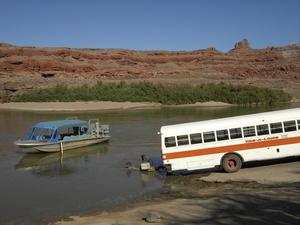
[(170, 25)]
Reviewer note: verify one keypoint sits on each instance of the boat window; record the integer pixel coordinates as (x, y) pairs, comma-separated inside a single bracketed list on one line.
[(209, 136), (66, 131), (183, 140), (43, 134), (196, 138), (276, 128), (170, 142), (262, 129), (36, 134), (30, 134), (249, 131), (289, 126), (75, 131), (235, 133), (222, 135)]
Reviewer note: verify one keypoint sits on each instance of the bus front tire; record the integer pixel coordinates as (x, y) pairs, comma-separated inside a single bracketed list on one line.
[(231, 163)]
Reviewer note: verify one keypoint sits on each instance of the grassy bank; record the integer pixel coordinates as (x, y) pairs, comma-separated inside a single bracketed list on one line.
[(145, 91)]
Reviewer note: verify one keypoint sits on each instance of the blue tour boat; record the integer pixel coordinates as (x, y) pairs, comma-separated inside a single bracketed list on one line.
[(62, 135)]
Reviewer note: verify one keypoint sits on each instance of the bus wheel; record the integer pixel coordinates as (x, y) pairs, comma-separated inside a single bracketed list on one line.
[(232, 163)]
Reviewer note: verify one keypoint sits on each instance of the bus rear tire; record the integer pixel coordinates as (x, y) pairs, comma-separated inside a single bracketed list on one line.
[(231, 163)]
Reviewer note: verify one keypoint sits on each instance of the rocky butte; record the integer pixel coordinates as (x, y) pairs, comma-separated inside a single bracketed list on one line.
[(25, 68)]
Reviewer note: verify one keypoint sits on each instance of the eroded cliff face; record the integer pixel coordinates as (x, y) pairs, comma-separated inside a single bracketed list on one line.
[(23, 68)]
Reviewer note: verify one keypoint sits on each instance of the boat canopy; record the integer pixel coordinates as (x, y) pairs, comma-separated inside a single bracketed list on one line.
[(61, 124)]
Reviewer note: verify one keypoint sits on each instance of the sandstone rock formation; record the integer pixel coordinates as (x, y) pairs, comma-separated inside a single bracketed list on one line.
[(243, 45), (23, 68)]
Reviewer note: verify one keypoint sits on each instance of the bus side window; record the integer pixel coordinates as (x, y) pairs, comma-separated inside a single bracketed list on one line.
[(289, 126), (249, 131), (170, 142), (183, 140), (222, 135), (196, 138), (209, 136), (276, 128), (262, 129), (298, 121), (235, 133)]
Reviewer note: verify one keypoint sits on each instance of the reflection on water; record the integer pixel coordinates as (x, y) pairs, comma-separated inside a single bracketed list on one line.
[(55, 164), (45, 186)]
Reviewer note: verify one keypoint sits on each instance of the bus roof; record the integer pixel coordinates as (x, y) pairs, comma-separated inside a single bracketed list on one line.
[(231, 122)]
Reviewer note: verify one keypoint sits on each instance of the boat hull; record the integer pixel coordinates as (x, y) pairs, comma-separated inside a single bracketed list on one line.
[(30, 146)]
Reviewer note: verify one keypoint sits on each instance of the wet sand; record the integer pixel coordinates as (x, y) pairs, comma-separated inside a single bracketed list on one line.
[(93, 106)]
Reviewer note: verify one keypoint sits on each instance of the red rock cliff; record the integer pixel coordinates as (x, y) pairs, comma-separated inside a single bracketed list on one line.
[(242, 62)]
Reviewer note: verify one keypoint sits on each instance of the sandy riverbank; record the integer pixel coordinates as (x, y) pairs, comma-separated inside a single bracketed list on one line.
[(255, 195), (92, 106)]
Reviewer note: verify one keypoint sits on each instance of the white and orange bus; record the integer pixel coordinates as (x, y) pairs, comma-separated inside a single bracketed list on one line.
[(227, 143)]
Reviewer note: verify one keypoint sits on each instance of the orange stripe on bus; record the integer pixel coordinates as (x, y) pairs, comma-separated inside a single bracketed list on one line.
[(232, 148)]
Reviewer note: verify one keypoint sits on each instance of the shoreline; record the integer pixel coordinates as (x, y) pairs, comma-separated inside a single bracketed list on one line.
[(197, 197), (94, 106)]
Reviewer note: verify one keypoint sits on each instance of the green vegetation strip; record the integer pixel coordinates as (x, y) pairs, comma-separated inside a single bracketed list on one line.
[(175, 94)]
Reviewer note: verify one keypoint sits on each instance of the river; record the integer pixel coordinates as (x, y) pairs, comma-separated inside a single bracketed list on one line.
[(44, 187)]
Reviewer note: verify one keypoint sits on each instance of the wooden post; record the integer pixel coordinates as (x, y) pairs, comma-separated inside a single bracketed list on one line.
[(61, 148), (61, 152)]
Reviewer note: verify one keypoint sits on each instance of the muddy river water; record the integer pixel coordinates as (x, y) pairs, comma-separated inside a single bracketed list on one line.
[(41, 187)]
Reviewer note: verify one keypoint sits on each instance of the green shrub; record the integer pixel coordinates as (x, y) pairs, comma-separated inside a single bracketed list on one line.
[(145, 91)]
